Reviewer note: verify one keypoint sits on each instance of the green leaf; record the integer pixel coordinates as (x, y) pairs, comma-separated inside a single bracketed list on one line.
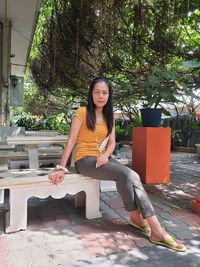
[(153, 80), (194, 63)]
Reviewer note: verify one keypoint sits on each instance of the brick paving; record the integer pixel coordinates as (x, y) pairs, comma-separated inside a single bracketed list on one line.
[(59, 235)]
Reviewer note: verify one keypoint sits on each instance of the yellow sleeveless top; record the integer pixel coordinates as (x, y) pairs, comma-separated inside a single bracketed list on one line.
[(88, 141)]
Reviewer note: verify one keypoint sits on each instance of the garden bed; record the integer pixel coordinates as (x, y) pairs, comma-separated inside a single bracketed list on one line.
[(184, 149)]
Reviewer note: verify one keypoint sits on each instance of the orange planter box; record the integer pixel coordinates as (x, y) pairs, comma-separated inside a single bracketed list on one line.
[(196, 204), (151, 154)]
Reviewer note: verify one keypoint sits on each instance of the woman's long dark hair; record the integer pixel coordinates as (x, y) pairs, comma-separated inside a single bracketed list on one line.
[(107, 109)]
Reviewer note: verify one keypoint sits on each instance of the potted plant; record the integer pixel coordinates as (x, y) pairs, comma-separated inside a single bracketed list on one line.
[(160, 86)]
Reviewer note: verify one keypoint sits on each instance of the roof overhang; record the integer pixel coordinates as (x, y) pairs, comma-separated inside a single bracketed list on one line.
[(23, 15)]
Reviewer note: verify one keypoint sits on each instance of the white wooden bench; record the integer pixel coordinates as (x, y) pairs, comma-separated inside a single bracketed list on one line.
[(27, 183), (24, 184)]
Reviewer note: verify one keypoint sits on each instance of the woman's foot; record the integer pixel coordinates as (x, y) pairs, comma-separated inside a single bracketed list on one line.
[(160, 237), (143, 228), (137, 221), (164, 239)]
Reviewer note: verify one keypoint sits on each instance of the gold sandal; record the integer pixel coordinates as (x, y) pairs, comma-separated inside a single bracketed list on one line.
[(168, 243), (141, 228)]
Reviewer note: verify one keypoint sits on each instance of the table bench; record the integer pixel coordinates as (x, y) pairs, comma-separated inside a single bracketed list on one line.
[(42, 153), (15, 159), (24, 184), (32, 144)]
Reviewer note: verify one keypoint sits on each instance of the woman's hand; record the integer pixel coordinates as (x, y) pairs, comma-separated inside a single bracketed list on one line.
[(103, 159), (57, 177)]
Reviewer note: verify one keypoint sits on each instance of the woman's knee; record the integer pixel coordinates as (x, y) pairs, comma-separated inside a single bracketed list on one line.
[(130, 174), (130, 177), (135, 175)]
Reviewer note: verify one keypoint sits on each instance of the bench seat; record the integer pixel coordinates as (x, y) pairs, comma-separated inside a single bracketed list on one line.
[(24, 184)]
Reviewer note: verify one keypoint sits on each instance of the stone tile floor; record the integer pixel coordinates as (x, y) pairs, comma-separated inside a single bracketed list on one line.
[(59, 235)]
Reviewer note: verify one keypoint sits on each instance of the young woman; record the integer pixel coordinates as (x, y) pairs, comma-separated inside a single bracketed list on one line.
[(92, 129)]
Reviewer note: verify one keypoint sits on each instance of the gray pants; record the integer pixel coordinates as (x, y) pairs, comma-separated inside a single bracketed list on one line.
[(128, 183)]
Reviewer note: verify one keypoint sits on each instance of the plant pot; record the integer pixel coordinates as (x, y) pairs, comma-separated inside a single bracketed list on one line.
[(151, 117)]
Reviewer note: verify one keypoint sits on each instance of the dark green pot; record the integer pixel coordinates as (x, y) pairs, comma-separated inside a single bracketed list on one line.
[(151, 117)]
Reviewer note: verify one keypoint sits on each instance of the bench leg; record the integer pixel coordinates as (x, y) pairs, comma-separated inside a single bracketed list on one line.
[(92, 201), (16, 217), (80, 199)]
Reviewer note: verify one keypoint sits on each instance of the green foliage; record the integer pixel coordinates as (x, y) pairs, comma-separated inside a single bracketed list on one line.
[(34, 101), (25, 120), (123, 40), (194, 63), (162, 85), (35, 123), (174, 132), (120, 131), (45, 13), (136, 122), (123, 133), (57, 122)]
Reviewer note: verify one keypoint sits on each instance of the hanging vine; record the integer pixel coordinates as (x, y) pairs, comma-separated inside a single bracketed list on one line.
[(120, 39)]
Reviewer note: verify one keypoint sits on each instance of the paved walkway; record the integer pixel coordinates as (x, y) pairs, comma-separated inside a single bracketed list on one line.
[(59, 235)]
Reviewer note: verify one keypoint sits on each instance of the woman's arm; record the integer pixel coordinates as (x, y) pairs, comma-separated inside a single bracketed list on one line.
[(74, 130), (58, 176), (103, 159)]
